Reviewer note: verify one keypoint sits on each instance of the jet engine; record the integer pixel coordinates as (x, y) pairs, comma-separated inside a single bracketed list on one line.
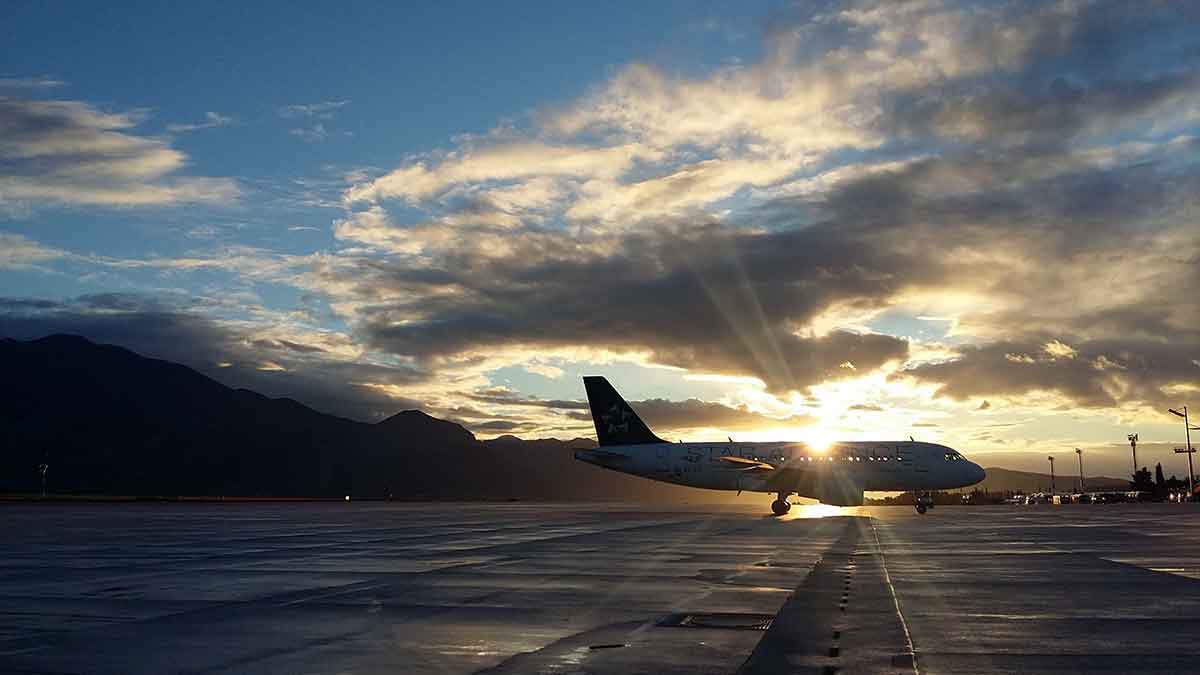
[(837, 492)]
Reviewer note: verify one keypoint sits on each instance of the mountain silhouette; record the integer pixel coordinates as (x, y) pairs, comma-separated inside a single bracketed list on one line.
[(999, 480), (109, 421)]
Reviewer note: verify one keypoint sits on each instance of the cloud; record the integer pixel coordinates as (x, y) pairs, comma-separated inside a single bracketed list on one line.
[(866, 407), (18, 252), (507, 397), (660, 414), (321, 110), (501, 162), (43, 82), (247, 262), (1137, 371), (315, 114), (498, 425), (1059, 350), (212, 120), (314, 134), (68, 152), (1055, 112), (736, 302)]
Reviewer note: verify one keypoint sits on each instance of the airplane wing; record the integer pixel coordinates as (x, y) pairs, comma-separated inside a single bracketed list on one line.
[(790, 478), (750, 465)]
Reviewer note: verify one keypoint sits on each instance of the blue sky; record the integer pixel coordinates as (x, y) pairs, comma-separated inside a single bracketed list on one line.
[(818, 220)]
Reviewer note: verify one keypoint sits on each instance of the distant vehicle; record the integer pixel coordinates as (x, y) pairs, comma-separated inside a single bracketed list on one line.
[(837, 475)]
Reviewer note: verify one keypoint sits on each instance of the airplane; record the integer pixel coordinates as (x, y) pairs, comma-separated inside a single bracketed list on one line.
[(838, 475)]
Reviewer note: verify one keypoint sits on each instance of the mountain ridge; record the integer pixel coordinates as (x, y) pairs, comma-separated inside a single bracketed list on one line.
[(110, 421), (1000, 479)]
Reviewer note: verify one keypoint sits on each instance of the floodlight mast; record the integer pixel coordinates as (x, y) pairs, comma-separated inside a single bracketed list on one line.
[(1080, 453), (1133, 439), (1051, 458), (1188, 450)]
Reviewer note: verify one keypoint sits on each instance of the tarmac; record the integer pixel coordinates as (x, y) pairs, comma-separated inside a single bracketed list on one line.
[(570, 588)]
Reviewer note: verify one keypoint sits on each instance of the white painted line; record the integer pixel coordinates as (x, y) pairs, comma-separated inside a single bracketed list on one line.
[(895, 600)]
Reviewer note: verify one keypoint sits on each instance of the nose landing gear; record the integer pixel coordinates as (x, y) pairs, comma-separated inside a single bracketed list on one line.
[(781, 506), (923, 501)]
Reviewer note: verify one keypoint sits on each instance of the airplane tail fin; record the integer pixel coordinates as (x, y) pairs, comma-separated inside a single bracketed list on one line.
[(616, 423)]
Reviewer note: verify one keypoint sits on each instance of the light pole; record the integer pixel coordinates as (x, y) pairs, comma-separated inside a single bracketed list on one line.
[(42, 469), (1133, 444), (1080, 453), (1187, 432), (1051, 474)]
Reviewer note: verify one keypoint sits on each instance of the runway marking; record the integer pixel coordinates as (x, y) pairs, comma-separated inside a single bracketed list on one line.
[(799, 636), (895, 600)]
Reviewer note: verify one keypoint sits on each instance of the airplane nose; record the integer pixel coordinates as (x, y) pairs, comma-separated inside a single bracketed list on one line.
[(977, 473)]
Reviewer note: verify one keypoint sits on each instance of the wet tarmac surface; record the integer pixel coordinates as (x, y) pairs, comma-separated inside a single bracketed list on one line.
[(516, 588)]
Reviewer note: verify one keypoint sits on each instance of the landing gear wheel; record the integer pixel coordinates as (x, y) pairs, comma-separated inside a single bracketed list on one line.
[(780, 507), (923, 501)]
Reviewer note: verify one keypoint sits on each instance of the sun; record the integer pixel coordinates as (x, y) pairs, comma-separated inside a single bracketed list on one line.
[(818, 439)]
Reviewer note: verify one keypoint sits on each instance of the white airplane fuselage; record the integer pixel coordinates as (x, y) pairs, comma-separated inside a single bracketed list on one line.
[(794, 467)]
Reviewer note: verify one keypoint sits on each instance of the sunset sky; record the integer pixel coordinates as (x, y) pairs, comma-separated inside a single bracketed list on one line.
[(975, 224)]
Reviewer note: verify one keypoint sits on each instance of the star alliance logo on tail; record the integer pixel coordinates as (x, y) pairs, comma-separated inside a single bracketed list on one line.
[(617, 418)]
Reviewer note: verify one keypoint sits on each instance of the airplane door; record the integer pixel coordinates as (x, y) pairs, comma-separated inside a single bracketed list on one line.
[(920, 460)]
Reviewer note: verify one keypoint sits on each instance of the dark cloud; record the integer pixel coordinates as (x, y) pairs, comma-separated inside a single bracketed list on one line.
[(289, 344), (1035, 114), (71, 152), (866, 407), (693, 413), (497, 425), (700, 298), (660, 414), (1056, 72), (232, 356), (23, 304), (1092, 373), (510, 397)]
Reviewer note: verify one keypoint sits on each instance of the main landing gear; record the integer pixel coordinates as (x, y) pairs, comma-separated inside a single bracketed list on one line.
[(923, 501), (781, 506)]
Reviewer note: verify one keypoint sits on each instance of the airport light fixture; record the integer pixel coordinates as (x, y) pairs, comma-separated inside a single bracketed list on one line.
[(1080, 453), (1188, 450), (1051, 458)]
